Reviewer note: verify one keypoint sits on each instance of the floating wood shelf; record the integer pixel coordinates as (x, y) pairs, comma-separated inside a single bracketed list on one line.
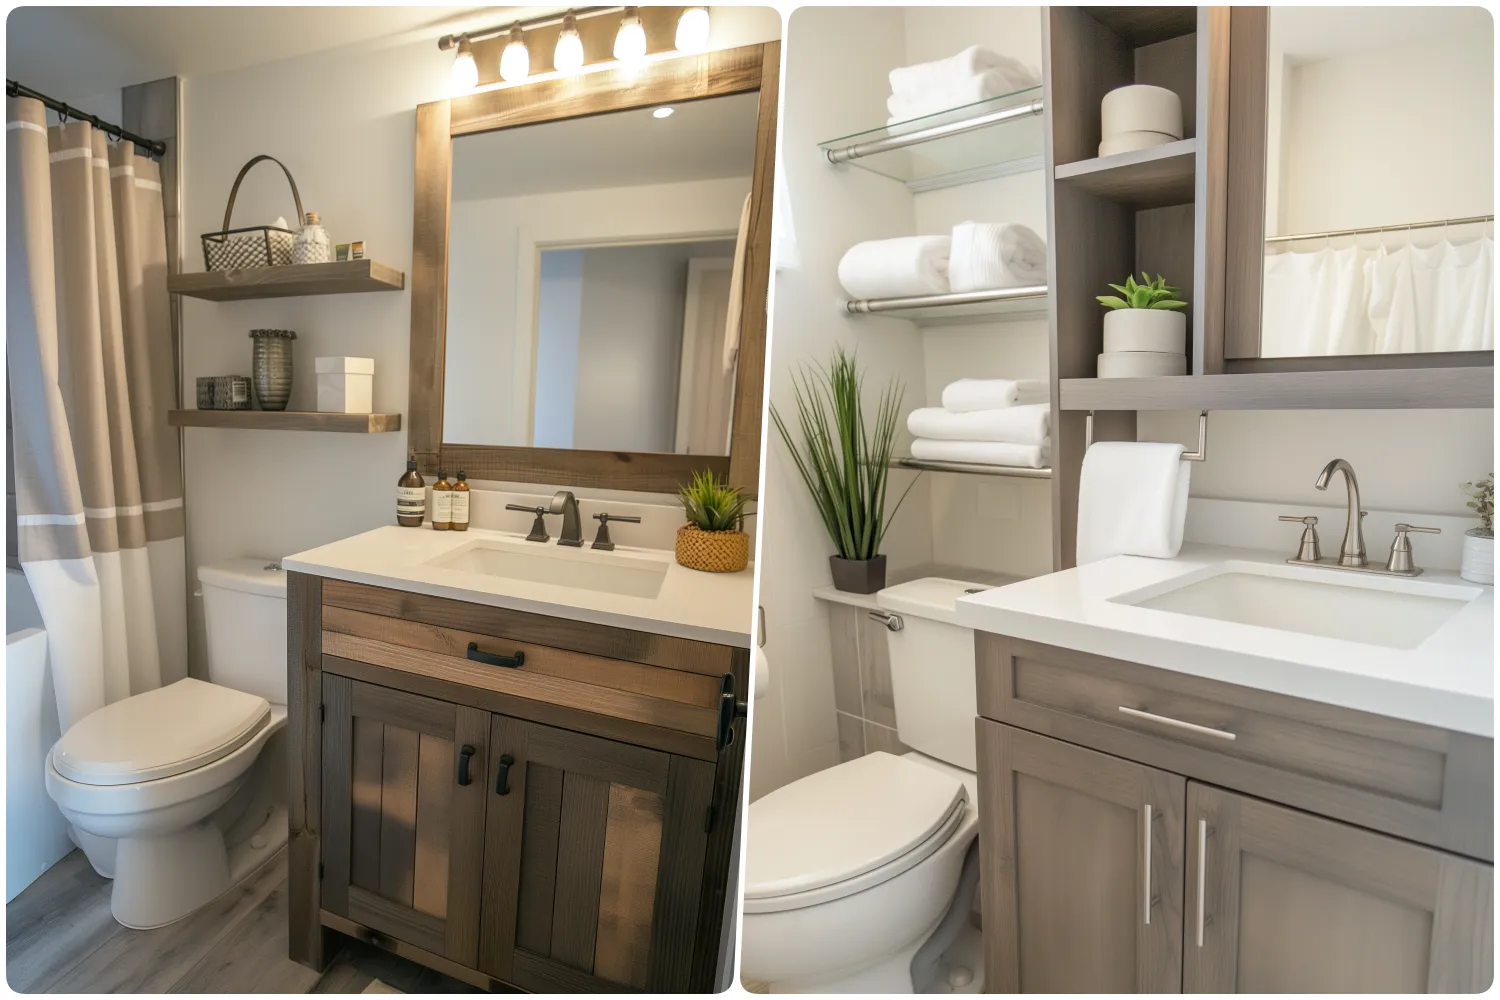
[(334, 278), (951, 308), (287, 420), (1145, 178), (1368, 389), (969, 468)]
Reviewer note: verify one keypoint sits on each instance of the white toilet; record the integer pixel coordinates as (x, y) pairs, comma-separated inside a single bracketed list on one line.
[(179, 793), (859, 878)]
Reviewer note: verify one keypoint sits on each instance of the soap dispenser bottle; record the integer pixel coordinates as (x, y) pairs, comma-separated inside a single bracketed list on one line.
[(442, 503), (461, 503), (411, 496)]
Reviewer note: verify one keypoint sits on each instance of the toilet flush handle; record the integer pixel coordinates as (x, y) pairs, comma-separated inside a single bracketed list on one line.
[(890, 621)]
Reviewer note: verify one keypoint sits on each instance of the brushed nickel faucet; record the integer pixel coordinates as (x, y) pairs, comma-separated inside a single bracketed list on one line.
[(1352, 552), (566, 504)]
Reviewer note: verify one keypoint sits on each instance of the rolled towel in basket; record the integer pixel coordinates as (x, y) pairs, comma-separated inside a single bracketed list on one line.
[(1023, 456), (988, 255), (948, 95), (906, 265), (1013, 424), (968, 394), (912, 81)]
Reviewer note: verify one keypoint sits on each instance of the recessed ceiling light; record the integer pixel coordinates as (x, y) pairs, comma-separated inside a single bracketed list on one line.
[(663, 113)]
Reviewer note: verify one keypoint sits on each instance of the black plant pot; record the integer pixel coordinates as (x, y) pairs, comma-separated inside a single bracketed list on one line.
[(858, 576)]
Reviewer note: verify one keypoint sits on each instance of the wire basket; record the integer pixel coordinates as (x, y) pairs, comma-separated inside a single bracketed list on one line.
[(251, 246)]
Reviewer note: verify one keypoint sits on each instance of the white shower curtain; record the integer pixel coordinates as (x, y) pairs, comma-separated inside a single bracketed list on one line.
[(89, 353)]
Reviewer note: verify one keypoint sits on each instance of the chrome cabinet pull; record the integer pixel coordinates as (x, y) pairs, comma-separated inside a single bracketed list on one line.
[(1190, 726), (1202, 871), (1147, 893)]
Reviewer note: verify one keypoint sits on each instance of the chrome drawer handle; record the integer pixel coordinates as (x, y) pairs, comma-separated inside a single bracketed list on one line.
[(1202, 872), (1190, 726)]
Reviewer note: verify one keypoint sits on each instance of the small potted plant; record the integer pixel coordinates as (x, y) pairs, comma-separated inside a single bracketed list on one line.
[(1479, 543), (1144, 317), (713, 539), (844, 464)]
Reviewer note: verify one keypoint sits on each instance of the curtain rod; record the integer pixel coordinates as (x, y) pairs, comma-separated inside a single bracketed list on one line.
[(154, 147), (1470, 220), (579, 13)]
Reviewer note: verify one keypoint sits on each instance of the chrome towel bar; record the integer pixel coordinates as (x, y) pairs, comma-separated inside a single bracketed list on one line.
[(1187, 456)]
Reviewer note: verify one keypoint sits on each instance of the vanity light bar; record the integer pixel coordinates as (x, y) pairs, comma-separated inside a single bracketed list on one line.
[(543, 21), (1188, 456)]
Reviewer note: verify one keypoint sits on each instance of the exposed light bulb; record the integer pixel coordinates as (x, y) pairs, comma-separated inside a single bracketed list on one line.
[(692, 30), (465, 70), (568, 56), (663, 113), (515, 58), (630, 40)]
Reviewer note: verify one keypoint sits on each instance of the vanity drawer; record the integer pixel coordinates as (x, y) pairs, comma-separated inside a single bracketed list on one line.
[(1413, 781)]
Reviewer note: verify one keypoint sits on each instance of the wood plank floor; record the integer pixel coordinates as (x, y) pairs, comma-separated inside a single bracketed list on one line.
[(60, 938)]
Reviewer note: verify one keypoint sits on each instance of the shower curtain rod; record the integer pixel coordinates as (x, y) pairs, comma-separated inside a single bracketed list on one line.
[(1470, 220), (154, 147)]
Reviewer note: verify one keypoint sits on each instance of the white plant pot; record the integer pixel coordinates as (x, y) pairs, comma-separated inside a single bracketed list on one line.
[(1141, 108), (1141, 364), (1478, 564), (1162, 331)]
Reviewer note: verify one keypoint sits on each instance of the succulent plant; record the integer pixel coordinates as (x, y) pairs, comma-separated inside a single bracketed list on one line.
[(1482, 501), (711, 505), (1151, 295)]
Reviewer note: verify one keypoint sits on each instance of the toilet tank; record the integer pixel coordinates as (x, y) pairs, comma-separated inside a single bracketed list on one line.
[(244, 612), (932, 669)]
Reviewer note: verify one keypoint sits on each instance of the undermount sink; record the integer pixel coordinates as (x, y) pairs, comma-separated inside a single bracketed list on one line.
[(1382, 611), (558, 566)]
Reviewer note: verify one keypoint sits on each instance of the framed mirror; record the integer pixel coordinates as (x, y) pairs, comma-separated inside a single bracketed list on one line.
[(1368, 132), (590, 274)]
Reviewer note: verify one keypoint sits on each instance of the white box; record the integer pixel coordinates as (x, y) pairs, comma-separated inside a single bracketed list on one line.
[(346, 385)]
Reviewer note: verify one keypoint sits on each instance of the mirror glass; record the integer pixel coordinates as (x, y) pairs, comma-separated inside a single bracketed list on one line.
[(590, 264), (1380, 181)]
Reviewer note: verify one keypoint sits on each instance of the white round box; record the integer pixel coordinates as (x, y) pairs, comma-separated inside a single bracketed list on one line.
[(1141, 364), (1141, 107), (1160, 331)]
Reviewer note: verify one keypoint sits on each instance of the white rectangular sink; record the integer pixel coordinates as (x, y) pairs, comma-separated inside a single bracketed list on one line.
[(1395, 612), (553, 565)]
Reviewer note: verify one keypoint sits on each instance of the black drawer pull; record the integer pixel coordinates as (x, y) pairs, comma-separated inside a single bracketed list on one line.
[(502, 780), (496, 659), (463, 764)]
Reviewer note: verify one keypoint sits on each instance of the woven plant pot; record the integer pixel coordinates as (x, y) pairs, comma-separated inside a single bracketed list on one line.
[(712, 551)]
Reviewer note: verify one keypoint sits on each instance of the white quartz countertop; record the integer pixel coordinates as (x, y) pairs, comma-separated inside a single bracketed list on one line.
[(1446, 681), (710, 607)]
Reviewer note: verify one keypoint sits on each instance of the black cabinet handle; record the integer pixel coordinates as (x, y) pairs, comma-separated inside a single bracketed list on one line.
[(730, 708), (463, 764), (496, 659), (502, 780)]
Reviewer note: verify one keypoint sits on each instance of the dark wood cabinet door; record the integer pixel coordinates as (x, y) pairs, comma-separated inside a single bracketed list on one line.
[(594, 860), (1081, 860), (1282, 901), (403, 815)]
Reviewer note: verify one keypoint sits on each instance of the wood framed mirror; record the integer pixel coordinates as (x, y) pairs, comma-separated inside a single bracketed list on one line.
[(687, 83)]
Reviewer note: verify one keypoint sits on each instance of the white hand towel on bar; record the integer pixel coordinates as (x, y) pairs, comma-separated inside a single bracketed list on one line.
[(886, 269), (1013, 424), (908, 81), (949, 94), (1132, 500), (968, 394), (996, 255), (1022, 456)]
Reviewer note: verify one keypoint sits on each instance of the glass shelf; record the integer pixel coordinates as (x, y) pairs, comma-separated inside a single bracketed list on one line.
[(992, 138), (951, 308), (968, 468)]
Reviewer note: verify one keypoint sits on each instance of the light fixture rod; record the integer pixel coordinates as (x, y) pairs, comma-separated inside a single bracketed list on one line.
[(579, 13)]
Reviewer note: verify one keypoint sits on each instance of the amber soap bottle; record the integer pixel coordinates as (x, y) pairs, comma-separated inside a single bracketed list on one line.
[(461, 503), (411, 496), (442, 503)]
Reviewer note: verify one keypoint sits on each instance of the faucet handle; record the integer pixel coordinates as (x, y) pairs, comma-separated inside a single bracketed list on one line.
[(538, 527), (1402, 529), (602, 539), (1308, 549), (1400, 560)]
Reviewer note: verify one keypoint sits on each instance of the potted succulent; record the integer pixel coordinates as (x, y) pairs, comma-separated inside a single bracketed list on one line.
[(1478, 564), (1144, 317), (713, 539), (844, 464)]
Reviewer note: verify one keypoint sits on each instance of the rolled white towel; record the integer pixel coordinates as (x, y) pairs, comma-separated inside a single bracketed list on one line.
[(972, 61), (907, 265), (951, 94), (1024, 456), (1014, 424), (969, 394), (996, 255)]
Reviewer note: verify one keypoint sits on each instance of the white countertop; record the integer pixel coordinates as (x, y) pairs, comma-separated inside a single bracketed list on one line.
[(710, 607), (1446, 681)]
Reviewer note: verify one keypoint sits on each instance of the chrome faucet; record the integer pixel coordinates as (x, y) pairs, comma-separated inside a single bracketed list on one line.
[(566, 504), (1352, 552)]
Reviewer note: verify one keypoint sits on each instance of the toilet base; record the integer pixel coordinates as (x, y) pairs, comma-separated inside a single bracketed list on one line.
[(961, 967)]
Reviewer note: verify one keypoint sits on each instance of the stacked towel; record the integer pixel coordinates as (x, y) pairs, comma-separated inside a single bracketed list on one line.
[(907, 265), (1013, 424), (1132, 500), (1024, 456), (975, 74), (995, 255), (993, 432), (970, 394)]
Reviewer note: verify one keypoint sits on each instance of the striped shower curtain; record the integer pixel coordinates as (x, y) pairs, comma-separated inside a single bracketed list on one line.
[(89, 355)]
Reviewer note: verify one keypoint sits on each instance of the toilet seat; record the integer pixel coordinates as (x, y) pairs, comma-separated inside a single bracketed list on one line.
[(845, 829), (158, 734)]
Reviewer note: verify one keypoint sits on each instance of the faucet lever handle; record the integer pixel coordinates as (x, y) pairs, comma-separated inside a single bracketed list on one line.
[(1402, 529), (602, 539), (538, 527), (1309, 521), (1308, 549), (1400, 560)]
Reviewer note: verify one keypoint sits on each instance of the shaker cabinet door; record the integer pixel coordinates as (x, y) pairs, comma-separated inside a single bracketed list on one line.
[(593, 861), (1282, 901), (1081, 860), (403, 815)]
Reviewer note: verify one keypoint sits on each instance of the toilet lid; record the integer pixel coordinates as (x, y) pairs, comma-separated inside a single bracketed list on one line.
[(159, 733), (842, 822)]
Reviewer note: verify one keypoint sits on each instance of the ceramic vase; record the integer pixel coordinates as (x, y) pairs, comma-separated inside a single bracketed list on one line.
[(1478, 564), (271, 367), (858, 576)]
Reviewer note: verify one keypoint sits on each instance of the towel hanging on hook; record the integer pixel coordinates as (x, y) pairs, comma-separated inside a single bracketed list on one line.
[(1187, 456)]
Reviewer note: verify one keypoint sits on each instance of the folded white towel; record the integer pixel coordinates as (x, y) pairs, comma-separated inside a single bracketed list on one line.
[(1132, 500), (968, 394), (1025, 456), (950, 94), (996, 255), (909, 81), (1013, 424), (907, 265)]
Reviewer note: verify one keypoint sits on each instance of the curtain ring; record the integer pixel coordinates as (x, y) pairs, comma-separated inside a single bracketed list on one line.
[(62, 115)]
